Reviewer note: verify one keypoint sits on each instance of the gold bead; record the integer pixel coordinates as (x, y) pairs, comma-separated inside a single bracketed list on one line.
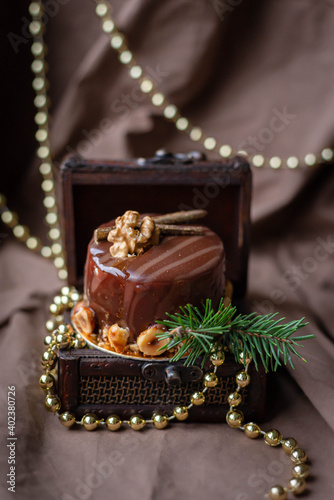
[(50, 202), (67, 419), (225, 151), (90, 421), (197, 398), (301, 470), (310, 159), (277, 492), (56, 248), (327, 154), (63, 340), (65, 328), (275, 162), (48, 340), (181, 412), (65, 291), (117, 41), (21, 232), (33, 243), (196, 134), (62, 274), (46, 252), (288, 445), (137, 422), (234, 418), (160, 420), (79, 343), (210, 143), (258, 160), (182, 123), (50, 325), (234, 399), (210, 380), (113, 422), (125, 57), (75, 296), (273, 437), (298, 456), (244, 358), (292, 162), (108, 26), (55, 309), (35, 28), (242, 379), (9, 218), (46, 381), (297, 485), (217, 358), (252, 430), (57, 300), (101, 9), (52, 403), (170, 111), (49, 359), (66, 301)]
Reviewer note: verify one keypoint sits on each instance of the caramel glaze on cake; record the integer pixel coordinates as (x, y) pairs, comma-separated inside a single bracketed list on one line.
[(135, 291)]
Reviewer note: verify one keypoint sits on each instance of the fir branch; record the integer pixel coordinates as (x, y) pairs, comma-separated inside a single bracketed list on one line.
[(198, 334)]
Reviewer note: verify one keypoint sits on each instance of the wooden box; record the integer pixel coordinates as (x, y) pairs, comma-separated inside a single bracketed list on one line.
[(94, 192)]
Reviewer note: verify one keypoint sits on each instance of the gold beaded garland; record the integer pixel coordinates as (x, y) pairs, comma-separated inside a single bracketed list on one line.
[(234, 417), (41, 102), (119, 43), (169, 111), (113, 422)]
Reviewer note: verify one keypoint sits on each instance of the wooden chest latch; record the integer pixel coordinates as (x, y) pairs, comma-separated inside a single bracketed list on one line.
[(172, 374)]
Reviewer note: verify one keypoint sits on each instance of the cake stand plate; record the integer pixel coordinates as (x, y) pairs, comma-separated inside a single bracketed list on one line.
[(92, 345)]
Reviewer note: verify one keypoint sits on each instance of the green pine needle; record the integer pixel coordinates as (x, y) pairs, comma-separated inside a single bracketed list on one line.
[(198, 334)]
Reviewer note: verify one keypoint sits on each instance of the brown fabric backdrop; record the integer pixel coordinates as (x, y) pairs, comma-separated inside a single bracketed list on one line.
[(232, 67)]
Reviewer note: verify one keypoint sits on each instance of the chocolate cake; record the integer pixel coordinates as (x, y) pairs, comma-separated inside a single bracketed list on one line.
[(125, 295)]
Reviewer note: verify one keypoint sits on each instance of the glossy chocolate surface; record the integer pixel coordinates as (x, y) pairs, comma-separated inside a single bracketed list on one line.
[(136, 291)]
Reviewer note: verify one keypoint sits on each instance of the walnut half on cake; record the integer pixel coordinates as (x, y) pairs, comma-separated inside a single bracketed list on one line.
[(128, 292)]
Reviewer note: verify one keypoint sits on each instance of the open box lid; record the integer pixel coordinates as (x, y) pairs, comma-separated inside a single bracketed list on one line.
[(93, 192)]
